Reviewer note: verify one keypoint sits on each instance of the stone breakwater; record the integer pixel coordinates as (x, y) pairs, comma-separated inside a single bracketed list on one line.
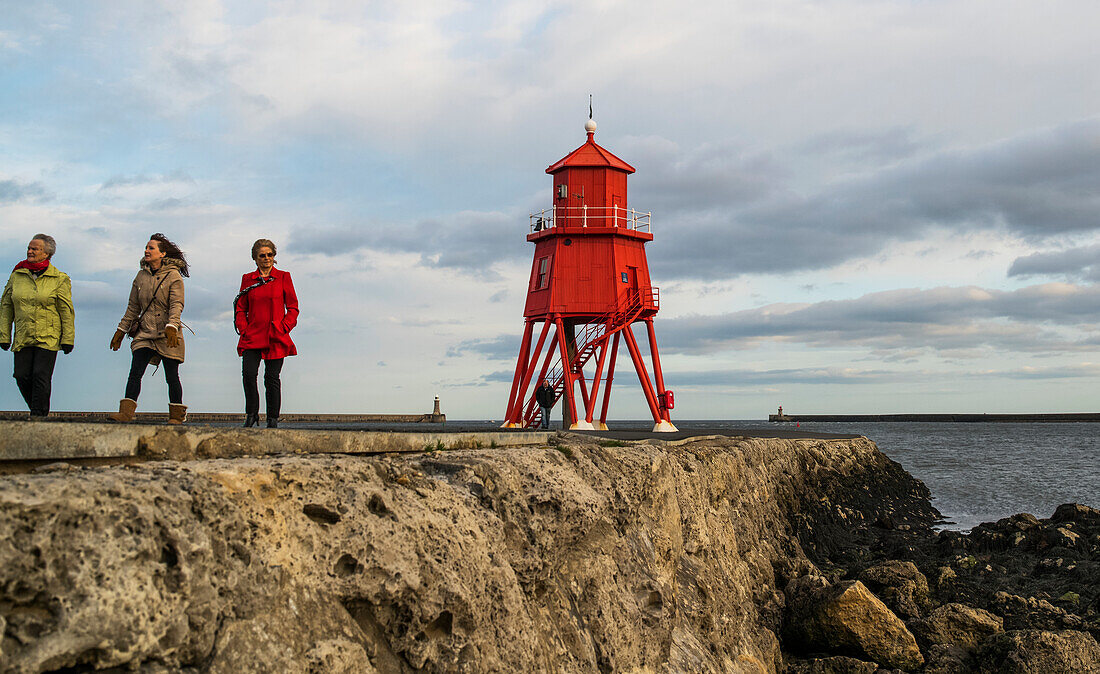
[(707, 555)]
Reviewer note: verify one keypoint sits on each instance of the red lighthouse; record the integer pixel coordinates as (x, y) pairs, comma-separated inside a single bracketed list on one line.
[(590, 283)]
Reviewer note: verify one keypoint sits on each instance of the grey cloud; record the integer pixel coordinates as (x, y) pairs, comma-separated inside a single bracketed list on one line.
[(1072, 263), (955, 321), (741, 377), (13, 190), (848, 376), (1037, 185), (885, 146), (120, 180), (503, 347), (169, 204), (470, 241)]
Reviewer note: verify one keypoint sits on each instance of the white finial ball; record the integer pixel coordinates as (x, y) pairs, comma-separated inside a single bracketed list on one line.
[(590, 126)]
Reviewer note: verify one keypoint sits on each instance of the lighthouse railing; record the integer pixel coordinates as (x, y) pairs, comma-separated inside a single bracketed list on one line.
[(590, 216)]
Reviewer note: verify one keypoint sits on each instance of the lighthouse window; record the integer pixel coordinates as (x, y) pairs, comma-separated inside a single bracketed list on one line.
[(543, 274), (626, 278)]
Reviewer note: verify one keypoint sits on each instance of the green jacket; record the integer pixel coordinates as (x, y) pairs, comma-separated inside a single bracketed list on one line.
[(42, 310)]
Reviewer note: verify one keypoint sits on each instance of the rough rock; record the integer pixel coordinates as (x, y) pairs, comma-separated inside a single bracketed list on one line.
[(900, 585), (846, 619), (575, 557), (958, 625), (1031, 613), (940, 659), (691, 556), (1039, 652), (836, 664)]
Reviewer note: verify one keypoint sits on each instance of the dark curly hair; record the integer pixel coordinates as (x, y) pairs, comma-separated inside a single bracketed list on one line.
[(171, 250)]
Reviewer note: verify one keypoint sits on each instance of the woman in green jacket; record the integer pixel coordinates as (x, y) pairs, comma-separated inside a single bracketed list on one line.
[(38, 299)]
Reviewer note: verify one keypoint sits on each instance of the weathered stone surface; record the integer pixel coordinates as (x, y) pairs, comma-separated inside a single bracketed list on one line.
[(900, 585), (958, 625), (571, 558), (940, 659), (1031, 613), (846, 619), (1039, 652), (836, 664)]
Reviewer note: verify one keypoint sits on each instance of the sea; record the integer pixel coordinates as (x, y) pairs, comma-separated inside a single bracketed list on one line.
[(980, 472)]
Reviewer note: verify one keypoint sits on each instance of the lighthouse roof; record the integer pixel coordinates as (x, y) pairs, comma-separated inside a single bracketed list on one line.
[(590, 155)]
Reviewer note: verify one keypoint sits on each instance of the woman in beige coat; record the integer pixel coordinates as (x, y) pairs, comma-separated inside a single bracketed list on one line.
[(152, 318)]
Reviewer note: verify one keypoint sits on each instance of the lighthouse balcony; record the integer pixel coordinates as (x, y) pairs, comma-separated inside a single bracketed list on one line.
[(584, 217)]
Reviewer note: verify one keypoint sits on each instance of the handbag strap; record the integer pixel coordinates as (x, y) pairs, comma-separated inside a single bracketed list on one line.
[(245, 291), (137, 321)]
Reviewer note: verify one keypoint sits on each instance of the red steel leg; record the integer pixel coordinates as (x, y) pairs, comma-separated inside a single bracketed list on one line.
[(521, 370), (590, 406), (521, 394), (643, 376), (610, 378), (657, 374), (567, 374)]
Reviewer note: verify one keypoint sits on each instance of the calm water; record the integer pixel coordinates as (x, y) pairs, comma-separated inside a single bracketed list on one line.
[(981, 472)]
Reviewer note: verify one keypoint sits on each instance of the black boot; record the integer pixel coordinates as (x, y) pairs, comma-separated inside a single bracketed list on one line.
[(252, 419), (273, 422)]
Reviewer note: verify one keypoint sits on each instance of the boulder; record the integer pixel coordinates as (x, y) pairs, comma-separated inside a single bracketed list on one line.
[(1076, 512), (836, 664), (900, 585), (847, 619), (942, 659), (959, 625), (1032, 613), (1039, 652)]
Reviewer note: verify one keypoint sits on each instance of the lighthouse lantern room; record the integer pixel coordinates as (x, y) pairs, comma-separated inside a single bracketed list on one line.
[(589, 285)]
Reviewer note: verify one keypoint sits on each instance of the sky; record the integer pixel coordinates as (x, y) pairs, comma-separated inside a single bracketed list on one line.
[(858, 206)]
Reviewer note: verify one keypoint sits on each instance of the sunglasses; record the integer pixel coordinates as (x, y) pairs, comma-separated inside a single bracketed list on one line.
[(266, 255)]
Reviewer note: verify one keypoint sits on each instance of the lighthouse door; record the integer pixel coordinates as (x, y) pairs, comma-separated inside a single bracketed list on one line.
[(632, 284)]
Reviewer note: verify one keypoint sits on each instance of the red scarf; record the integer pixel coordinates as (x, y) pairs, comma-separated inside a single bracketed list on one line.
[(34, 267)]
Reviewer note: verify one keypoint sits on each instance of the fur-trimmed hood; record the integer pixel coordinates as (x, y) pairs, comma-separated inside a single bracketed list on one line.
[(180, 265)]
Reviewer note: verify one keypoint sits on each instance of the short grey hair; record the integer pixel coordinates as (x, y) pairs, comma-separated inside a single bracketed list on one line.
[(51, 245)]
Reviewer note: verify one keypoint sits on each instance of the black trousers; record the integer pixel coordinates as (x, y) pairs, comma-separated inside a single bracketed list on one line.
[(33, 374), (171, 368), (273, 387)]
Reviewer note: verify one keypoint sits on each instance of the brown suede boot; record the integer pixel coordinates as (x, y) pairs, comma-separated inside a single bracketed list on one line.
[(126, 409), (177, 414)]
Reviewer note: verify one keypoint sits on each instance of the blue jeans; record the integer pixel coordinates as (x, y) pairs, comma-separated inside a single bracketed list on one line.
[(546, 417)]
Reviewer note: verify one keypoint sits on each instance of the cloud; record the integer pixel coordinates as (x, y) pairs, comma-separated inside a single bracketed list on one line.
[(1036, 185), (948, 320), (14, 190), (1082, 263), (857, 377), (469, 241), (503, 347), (178, 176)]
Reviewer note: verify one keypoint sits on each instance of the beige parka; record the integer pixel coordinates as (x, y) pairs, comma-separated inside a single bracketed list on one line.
[(165, 310)]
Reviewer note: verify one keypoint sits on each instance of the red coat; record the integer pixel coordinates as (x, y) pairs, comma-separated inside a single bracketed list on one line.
[(266, 315)]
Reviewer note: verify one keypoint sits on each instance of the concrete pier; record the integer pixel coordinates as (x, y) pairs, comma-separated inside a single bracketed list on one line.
[(34, 443)]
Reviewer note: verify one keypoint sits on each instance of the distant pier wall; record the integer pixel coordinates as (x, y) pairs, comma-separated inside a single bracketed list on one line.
[(943, 418)]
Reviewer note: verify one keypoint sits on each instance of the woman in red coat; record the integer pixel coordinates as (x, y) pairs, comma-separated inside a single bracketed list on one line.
[(264, 313)]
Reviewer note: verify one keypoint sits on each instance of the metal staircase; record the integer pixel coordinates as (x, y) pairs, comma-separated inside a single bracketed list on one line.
[(594, 335)]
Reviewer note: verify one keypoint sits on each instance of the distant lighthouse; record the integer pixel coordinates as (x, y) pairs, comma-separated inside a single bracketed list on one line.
[(590, 283)]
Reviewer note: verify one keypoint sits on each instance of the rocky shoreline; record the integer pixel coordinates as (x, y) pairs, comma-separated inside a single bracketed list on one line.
[(708, 555)]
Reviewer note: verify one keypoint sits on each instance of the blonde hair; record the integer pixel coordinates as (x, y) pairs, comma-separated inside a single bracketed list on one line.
[(263, 243)]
